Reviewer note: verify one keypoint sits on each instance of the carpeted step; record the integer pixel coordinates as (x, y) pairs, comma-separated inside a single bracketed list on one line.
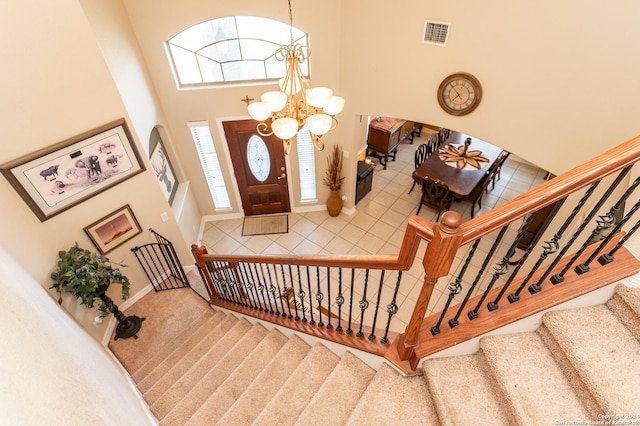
[(596, 351), (308, 376), (534, 387), (186, 357), (339, 393), (392, 399), (133, 353), (258, 394), (625, 303), (212, 352), (462, 392), (214, 367), (188, 339), (210, 398)]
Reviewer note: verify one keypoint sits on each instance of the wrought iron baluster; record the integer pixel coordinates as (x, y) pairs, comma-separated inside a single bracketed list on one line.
[(584, 267), (339, 300), (349, 329), (292, 294), (319, 297), (551, 246), (263, 287), (610, 221), (455, 288), (454, 322), (501, 269), (248, 285), (609, 257), (494, 305), (558, 278), (301, 295), (274, 289), (215, 279), (375, 313), (259, 287), (311, 321), (228, 280), (364, 303), (285, 295), (219, 278), (392, 309), (329, 325), (204, 280)]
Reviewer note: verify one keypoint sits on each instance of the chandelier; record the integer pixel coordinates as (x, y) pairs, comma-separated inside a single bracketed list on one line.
[(296, 103)]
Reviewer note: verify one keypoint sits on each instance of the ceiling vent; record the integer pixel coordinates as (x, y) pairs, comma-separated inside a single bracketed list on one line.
[(436, 32)]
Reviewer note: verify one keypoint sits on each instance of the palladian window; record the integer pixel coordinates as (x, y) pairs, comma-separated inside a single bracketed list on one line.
[(231, 50)]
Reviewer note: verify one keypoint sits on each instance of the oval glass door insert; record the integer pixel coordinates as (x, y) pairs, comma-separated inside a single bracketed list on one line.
[(258, 158)]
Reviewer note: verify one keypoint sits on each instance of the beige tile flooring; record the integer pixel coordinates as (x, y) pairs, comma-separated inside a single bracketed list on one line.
[(377, 226)]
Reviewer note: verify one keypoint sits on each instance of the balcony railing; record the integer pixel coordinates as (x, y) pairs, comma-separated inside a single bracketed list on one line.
[(579, 246)]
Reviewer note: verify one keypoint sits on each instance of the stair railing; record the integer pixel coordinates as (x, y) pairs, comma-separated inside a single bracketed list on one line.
[(288, 290)]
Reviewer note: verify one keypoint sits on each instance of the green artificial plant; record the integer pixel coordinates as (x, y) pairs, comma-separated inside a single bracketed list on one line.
[(87, 275)]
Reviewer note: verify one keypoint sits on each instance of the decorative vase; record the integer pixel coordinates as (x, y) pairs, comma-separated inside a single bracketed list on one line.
[(334, 204)]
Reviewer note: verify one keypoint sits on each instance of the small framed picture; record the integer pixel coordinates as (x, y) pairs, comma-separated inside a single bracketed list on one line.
[(59, 177), (113, 230)]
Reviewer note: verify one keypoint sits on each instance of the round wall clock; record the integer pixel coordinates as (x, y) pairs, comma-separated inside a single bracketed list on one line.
[(459, 93)]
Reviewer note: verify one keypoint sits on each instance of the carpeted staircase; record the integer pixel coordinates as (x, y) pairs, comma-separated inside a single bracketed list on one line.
[(197, 366)]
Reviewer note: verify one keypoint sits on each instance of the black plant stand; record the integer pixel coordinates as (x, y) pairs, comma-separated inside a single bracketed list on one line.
[(128, 326)]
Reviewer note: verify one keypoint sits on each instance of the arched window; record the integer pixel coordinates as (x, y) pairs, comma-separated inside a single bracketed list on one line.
[(232, 49)]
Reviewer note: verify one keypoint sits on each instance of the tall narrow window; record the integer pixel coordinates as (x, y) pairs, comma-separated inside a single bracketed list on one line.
[(306, 165), (210, 164)]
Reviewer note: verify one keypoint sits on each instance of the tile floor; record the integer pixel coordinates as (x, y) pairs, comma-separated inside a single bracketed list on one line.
[(377, 226)]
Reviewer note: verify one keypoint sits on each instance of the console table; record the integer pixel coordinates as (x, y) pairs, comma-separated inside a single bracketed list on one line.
[(385, 134)]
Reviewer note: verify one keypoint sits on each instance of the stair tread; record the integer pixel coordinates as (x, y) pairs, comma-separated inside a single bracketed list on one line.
[(339, 393), (529, 376), (275, 374), (460, 381), (172, 350), (394, 399), (208, 402), (167, 373), (214, 367), (625, 303), (185, 303), (281, 408), (605, 368)]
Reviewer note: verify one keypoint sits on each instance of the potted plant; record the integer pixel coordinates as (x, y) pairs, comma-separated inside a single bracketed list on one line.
[(88, 275), (333, 179)]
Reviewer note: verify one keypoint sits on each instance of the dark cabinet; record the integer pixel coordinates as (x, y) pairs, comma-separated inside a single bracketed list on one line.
[(385, 133), (364, 180)]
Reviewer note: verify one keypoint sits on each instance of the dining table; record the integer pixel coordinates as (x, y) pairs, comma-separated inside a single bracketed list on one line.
[(461, 181)]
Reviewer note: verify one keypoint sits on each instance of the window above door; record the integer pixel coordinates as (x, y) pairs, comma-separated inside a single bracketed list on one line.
[(233, 49)]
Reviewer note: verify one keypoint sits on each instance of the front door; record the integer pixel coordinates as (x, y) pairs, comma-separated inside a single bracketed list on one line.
[(259, 166)]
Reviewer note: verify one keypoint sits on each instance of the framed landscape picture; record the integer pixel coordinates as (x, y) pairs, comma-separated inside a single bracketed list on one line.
[(113, 230), (57, 178)]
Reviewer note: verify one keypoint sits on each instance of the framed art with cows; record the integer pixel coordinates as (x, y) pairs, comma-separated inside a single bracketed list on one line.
[(59, 177)]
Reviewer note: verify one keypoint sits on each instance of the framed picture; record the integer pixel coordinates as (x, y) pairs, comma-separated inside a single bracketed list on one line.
[(113, 230), (57, 178), (161, 166)]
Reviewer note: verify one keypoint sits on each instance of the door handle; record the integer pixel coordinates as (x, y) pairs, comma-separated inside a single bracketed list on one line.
[(282, 176)]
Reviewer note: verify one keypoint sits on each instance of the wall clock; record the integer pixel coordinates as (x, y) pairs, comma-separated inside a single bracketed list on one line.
[(459, 93)]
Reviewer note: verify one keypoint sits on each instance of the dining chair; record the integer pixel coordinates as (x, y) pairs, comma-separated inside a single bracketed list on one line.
[(443, 134), (423, 151), (434, 143), (496, 168), (479, 191), (436, 195)]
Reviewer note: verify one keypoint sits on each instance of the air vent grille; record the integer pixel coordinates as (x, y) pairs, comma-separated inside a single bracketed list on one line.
[(436, 32)]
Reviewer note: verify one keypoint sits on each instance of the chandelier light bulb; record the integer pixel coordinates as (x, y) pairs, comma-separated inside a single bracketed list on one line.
[(334, 105), (318, 96), (285, 128), (258, 111), (274, 101), (319, 124)]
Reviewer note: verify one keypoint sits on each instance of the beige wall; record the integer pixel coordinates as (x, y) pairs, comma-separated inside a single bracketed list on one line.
[(55, 86), (559, 83)]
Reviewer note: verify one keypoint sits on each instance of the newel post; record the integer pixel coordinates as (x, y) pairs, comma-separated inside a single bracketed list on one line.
[(198, 252), (439, 256)]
